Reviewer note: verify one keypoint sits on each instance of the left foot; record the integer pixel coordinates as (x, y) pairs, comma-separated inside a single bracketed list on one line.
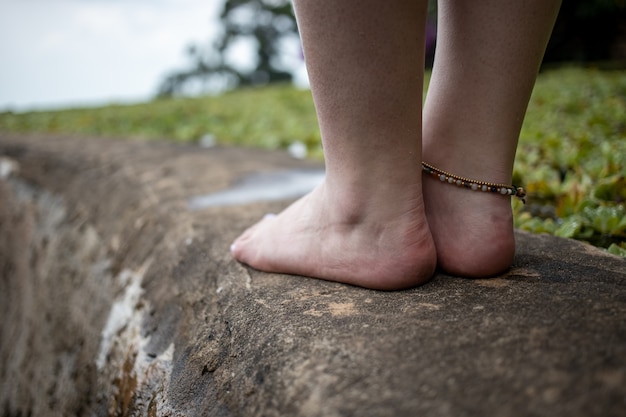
[(379, 244)]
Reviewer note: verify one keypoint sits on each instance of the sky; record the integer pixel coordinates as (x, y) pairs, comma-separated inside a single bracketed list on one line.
[(64, 53)]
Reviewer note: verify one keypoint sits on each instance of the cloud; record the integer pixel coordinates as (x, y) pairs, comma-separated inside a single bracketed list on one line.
[(62, 52)]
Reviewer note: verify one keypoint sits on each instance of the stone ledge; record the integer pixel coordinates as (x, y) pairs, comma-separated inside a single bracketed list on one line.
[(117, 300)]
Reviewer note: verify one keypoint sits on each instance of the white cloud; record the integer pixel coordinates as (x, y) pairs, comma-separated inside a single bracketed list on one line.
[(62, 52)]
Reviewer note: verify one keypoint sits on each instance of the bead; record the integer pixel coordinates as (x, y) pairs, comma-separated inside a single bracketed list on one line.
[(506, 190)]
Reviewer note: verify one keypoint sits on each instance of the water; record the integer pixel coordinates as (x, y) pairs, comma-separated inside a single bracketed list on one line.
[(270, 186)]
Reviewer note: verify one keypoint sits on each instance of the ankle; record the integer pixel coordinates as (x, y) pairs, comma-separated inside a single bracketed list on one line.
[(473, 231), (357, 198), (489, 161)]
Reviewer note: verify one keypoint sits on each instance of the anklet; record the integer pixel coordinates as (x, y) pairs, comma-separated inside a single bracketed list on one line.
[(475, 185)]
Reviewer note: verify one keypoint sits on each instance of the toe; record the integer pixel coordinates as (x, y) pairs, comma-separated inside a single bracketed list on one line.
[(243, 245)]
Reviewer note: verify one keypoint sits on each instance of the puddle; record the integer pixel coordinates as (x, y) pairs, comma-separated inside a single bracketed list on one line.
[(268, 186)]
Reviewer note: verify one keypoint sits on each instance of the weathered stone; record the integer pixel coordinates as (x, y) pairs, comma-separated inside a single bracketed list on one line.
[(118, 300)]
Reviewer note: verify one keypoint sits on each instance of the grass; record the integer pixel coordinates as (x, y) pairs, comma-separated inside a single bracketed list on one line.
[(571, 157), (271, 117)]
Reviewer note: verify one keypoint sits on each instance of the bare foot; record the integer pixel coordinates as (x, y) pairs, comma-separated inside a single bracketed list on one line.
[(473, 231), (380, 245)]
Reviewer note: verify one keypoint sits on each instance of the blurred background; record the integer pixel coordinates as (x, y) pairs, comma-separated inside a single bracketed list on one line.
[(62, 53), (231, 73)]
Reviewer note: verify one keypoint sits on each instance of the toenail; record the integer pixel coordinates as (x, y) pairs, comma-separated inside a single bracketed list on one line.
[(232, 248), (269, 215)]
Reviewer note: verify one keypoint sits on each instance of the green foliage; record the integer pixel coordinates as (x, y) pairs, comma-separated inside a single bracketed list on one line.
[(571, 157), (268, 117)]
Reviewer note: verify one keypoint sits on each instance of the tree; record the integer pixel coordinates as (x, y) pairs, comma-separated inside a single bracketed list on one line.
[(268, 24)]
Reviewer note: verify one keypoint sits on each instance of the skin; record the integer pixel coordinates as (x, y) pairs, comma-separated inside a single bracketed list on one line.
[(487, 58), (374, 222)]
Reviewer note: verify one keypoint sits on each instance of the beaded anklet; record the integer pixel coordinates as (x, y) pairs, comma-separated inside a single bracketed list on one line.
[(475, 185)]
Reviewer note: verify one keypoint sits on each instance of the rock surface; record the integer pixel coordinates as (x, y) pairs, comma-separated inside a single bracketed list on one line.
[(116, 299)]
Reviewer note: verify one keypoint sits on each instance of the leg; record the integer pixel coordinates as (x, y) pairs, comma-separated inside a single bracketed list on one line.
[(365, 225), (487, 58)]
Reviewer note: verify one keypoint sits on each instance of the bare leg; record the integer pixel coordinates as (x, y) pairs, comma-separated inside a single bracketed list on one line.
[(487, 58), (365, 225)]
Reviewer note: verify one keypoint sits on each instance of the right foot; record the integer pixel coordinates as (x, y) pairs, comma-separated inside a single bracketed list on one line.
[(378, 244), (473, 230)]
